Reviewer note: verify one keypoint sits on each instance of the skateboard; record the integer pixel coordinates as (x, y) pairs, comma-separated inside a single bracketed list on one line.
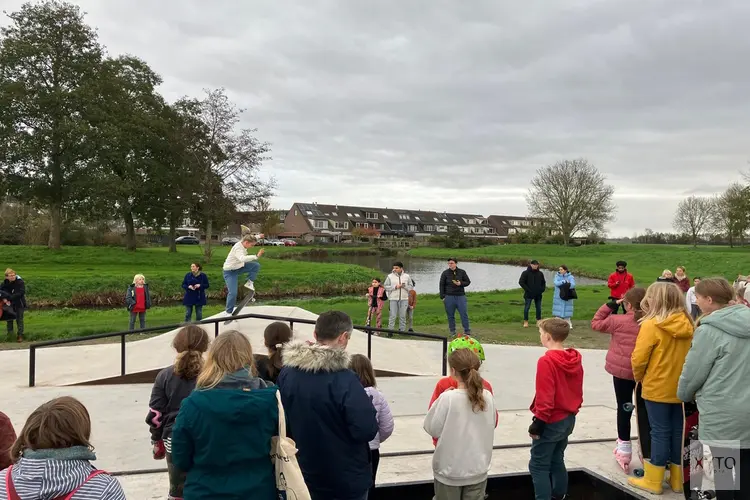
[(250, 297)]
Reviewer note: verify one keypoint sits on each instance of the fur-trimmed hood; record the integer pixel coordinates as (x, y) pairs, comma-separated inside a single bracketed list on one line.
[(314, 357)]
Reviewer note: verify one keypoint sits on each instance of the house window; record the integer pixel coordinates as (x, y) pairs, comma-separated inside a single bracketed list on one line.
[(445, 220), (282, 217), (309, 212), (358, 224), (435, 219), (366, 225), (296, 213), (472, 221), (335, 214), (348, 214), (429, 228), (412, 227), (356, 215), (341, 225), (416, 217), (385, 216), (371, 215), (321, 224), (404, 216)]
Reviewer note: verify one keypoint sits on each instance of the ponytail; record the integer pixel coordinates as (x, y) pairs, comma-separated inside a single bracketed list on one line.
[(466, 364), (273, 363), (190, 343), (188, 364), (275, 336), (475, 389)]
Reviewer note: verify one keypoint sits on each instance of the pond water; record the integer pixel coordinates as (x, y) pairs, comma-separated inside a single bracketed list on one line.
[(426, 272)]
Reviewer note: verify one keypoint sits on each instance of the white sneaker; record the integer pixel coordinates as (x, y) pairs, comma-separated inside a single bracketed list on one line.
[(249, 285)]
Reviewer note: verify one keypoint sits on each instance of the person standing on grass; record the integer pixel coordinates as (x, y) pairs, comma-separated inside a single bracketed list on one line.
[(238, 262), (376, 298), (562, 302), (412, 305), (692, 300), (533, 283), (453, 283), (397, 285), (195, 285), (681, 279), (666, 277), (620, 282), (138, 301), (15, 288)]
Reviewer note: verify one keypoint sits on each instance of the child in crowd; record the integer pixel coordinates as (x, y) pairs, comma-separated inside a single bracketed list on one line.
[(173, 384), (7, 438), (275, 336), (376, 298), (559, 396), (448, 383), (195, 285), (660, 350), (463, 422), (412, 305), (741, 293), (52, 457), (692, 301), (138, 300), (623, 330), (362, 367)]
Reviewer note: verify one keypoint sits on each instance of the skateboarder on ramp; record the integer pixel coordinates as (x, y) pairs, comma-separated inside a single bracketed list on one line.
[(238, 263)]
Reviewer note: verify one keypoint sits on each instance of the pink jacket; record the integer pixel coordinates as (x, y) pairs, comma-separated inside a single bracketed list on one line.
[(624, 331)]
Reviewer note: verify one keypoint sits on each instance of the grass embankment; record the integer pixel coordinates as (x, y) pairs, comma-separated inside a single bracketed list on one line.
[(646, 262), (98, 276)]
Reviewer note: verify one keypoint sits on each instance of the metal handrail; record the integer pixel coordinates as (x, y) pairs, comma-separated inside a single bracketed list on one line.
[(215, 321)]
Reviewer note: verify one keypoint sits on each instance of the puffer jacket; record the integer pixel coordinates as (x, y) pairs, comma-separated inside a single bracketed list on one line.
[(383, 415), (623, 329), (716, 375)]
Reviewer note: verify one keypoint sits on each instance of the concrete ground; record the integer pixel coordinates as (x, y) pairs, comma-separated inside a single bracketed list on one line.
[(122, 440)]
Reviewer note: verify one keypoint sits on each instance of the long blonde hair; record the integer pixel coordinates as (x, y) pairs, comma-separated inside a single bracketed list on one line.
[(662, 300), (229, 352)]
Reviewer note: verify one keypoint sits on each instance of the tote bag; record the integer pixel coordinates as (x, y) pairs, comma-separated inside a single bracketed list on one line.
[(290, 485)]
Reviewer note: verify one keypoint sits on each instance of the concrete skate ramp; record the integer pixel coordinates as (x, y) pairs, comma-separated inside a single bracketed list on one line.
[(100, 363)]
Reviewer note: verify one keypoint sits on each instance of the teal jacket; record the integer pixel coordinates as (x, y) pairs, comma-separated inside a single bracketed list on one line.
[(716, 375), (222, 440)]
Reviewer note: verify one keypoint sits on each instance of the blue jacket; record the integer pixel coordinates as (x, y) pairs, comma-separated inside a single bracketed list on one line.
[(222, 439), (562, 308), (195, 297), (330, 417)]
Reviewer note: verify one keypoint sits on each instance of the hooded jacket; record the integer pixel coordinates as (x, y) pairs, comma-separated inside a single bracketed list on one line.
[(166, 397), (330, 417), (533, 283), (130, 298), (624, 330), (559, 385), (716, 375), (659, 354), (16, 291), (222, 439), (619, 283)]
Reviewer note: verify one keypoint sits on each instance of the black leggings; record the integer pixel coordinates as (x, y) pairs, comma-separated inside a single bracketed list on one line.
[(176, 478), (374, 460), (624, 389), (725, 484)]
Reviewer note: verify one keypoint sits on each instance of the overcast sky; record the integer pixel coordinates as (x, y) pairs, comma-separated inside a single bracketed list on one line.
[(447, 105)]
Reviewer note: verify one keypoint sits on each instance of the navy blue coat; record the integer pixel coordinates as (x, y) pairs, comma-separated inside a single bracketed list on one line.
[(195, 297), (330, 417)]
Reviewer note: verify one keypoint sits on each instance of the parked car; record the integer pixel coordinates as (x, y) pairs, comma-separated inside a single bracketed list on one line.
[(187, 240), (275, 243), (289, 243), (229, 241)]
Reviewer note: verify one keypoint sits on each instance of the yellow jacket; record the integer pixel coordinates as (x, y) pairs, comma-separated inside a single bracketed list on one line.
[(659, 354)]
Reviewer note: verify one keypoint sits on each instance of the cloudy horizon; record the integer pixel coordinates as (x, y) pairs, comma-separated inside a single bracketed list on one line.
[(442, 105)]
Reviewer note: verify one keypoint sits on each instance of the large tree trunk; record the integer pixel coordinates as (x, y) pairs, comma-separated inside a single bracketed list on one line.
[(55, 226), (130, 243), (172, 233), (209, 234)]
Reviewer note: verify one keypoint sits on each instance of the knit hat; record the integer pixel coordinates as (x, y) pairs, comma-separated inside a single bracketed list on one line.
[(535, 262)]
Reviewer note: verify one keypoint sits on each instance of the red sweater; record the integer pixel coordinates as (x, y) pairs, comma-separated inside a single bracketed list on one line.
[(559, 385), (140, 300), (446, 383), (620, 283)]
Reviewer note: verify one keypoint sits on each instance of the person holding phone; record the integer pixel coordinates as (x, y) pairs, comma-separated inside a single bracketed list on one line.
[(453, 283)]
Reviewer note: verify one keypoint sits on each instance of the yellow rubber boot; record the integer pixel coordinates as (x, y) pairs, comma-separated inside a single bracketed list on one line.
[(652, 479), (675, 478)]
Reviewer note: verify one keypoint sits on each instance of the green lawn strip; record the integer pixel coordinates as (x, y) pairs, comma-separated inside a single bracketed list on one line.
[(646, 262)]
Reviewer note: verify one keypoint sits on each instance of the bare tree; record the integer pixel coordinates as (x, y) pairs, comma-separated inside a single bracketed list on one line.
[(572, 197), (694, 217)]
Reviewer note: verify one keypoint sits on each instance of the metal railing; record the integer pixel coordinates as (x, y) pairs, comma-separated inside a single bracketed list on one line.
[(369, 330)]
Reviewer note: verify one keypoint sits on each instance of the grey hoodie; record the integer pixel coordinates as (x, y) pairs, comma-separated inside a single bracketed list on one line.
[(716, 374)]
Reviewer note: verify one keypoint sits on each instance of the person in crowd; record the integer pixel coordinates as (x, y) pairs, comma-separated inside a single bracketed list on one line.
[(453, 283), (239, 263), (397, 286), (666, 277), (173, 384), (275, 336), (329, 414), (52, 457), (362, 367), (692, 300), (562, 302), (660, 349), (741, 293), (620, 282), (559, 396), (533, 283), (376, 298), (463, 422), (715, 375), (623, 330), (681, 279), (222, 436), (195, 285), (449, 383), (138, 301), (412, 305), (7, 438), (15, 290)]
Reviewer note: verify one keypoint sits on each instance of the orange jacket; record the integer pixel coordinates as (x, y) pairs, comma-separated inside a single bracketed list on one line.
[(412, 298)]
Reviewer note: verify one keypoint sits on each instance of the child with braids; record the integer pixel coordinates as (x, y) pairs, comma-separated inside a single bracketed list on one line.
[(463, 422), (172, 385)]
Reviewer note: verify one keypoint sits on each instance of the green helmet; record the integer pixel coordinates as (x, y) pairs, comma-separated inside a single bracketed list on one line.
[(466, 343)]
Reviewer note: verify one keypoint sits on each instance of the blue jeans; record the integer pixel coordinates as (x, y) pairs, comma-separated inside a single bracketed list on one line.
[(547, 464), (666, 420), (189, 313), (453, 302), (232, 277), (527, 307)]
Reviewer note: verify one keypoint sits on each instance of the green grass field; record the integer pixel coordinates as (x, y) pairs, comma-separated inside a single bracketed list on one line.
[(646, 262)]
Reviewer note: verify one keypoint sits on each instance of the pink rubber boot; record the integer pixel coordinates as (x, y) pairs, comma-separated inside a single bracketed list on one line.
[(623, 453)]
